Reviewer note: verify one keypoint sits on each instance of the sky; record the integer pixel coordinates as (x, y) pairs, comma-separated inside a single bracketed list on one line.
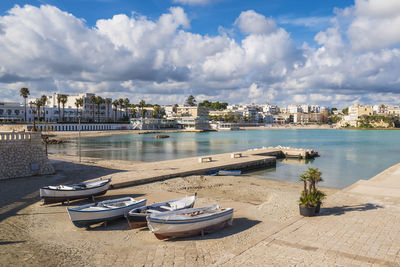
[(333, 52)]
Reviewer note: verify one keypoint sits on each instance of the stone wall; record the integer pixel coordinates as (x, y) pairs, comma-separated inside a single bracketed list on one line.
[(14, 127), (22, 154)]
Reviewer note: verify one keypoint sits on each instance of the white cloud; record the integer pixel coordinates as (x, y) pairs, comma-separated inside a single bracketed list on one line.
[(250, 22), (310, 22), (376, 24), (159, 60)]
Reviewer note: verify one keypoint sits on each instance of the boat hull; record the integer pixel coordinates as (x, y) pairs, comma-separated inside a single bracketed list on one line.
[(57, 199), (55, 195), (183, 228), (194, 232), (85, 218), (137, 220)]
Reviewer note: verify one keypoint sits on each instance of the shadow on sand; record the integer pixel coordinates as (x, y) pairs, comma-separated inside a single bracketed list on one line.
[(10, 242), (239, 225), (115, 225), (340, 210), (16, 194)]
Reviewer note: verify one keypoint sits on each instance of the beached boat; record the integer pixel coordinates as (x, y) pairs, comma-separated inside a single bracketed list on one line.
[(103, 211), (230, 173), (189, 222), (61, 193), (137, 217)]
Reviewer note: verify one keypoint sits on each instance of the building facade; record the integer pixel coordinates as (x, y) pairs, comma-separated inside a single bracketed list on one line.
[(12, 112)]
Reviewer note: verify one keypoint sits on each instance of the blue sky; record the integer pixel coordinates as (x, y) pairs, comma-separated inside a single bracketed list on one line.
[(205, 19), (331, 52)]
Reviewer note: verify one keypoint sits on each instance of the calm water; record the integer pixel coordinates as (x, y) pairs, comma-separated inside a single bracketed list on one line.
[(346, 155)]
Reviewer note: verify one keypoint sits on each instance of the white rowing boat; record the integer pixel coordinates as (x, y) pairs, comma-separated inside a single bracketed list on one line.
[(103, 211), (61, 193), (189, 222), (137, 217)]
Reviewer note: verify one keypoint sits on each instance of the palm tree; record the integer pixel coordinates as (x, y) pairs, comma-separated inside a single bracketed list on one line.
[(314, 177), (58, 104), (120, 102), (99, 101), (33, 108), (78, 103), (38, 103), (142, 104), (115, 104), (304, 179), (126, 104), (133, 112), (44, 100), (108, 103), (24, 92), (63, 100), (93, 102)]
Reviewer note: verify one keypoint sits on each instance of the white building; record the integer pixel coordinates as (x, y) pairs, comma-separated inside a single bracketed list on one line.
[(270, 109), (292, 109), (90, 112), (393, 111), (12, 111), (305, 108)]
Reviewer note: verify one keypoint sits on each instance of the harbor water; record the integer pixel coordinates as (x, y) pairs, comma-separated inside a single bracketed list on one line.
[(346, 155)]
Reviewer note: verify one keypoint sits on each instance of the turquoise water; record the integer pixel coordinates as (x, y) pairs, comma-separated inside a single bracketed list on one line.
[(346, 155)]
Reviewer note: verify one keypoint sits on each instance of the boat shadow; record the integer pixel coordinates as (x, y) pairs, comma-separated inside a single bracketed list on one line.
[(115, 225), (238, 225), (340, 210), (10, 242)]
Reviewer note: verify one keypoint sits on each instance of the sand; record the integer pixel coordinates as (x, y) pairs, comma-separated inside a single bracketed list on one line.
[(36, 235)]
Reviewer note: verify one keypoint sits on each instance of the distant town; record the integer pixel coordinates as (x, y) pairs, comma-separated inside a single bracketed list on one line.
[(62, 112)]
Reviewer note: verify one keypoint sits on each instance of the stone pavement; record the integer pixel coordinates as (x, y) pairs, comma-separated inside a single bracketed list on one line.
[(358, 226)]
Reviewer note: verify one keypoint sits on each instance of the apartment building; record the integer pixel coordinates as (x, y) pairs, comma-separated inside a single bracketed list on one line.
[(357, 111), (305, 118), (12, 111), (189, 111)]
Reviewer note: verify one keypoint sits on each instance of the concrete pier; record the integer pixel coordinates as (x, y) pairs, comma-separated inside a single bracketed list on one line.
[(155, 171)]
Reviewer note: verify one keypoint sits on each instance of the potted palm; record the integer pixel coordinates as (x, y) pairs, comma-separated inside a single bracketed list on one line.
[(311, 198)]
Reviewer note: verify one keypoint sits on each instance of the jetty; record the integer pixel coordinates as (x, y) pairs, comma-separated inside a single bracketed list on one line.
[(252, 159)]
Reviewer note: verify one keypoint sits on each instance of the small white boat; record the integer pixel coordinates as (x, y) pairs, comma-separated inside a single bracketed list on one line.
[(229, 173), (137, 217), (103, 211), (189, 222), (61, 193)]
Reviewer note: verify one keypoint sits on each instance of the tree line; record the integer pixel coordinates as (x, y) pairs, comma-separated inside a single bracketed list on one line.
[(38, 106)]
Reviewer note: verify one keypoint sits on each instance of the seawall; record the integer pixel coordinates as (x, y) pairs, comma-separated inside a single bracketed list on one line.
[(22, 154)]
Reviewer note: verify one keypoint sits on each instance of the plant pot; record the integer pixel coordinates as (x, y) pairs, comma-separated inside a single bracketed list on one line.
[(307, 211), (317, 208)]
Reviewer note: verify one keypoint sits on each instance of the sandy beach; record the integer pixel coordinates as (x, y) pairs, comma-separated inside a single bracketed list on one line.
[(35, 235)]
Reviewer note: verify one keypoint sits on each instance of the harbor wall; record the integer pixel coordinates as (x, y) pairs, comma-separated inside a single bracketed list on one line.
[(50, 127), (22, 154)]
